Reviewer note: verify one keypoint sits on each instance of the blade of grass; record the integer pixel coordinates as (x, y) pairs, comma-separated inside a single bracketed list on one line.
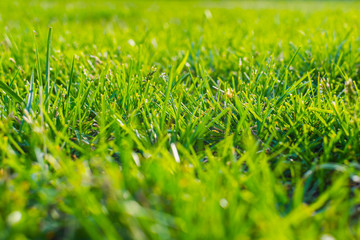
[(10, 92)]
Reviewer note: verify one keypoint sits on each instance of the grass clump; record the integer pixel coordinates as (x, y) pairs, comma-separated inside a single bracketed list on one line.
[(179, 120)]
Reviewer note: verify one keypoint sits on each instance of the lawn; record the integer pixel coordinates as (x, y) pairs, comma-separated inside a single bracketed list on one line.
[(179, 120)]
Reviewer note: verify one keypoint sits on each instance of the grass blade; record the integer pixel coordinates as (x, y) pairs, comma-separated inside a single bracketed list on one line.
[(10, 92), (31, 93), (47, 67)]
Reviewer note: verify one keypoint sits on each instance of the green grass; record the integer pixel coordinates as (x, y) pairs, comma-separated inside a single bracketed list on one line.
[(179, 120)]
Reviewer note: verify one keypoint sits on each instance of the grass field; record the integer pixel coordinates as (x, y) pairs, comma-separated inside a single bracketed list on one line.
[(179, 120)]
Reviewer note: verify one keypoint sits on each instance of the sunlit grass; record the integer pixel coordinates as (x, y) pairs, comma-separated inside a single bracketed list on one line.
[(185, 120)]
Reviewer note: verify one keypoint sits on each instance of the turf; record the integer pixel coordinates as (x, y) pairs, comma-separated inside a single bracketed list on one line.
[(179, 120)]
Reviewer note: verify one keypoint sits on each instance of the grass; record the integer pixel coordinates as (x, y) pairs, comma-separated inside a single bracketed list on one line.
[(195, 120)]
